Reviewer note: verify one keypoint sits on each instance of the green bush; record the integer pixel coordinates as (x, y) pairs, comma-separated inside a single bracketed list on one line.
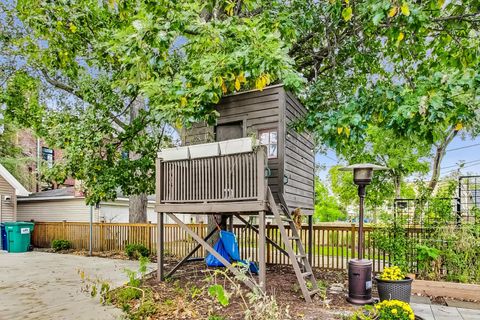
[(59, 244), (136, 250)]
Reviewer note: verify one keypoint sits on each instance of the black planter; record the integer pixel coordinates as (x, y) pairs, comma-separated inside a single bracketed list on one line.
[(394, 289)]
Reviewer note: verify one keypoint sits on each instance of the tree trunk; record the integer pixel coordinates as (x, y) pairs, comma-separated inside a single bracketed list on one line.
[(397, 180), (437, 160), (137, 207)]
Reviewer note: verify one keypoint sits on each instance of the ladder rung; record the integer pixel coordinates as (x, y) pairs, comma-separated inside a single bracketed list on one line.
[(293, 238), (306, 274), (301, 255), (314, 292), (287, 219)]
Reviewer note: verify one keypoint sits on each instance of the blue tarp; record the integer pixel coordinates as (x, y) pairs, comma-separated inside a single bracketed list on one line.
[(227, 247)]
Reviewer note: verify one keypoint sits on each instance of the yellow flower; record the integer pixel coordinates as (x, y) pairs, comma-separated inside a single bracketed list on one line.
[(394, 311)]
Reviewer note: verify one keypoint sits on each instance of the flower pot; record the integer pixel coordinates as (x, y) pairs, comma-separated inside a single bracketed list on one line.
[(394, 289)]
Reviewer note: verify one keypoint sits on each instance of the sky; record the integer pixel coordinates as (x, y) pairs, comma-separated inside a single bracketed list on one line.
[(460, 150)]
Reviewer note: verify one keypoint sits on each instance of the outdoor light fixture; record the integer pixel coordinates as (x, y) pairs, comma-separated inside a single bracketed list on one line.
[(360, 270)]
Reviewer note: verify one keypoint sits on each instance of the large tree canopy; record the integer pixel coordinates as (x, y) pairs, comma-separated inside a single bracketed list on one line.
[(101, 78), (82, 69)]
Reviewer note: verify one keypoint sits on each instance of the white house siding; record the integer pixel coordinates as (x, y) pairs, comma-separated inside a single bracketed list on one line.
[(118, 212), (75, 210), (7, 207), (71, 210)]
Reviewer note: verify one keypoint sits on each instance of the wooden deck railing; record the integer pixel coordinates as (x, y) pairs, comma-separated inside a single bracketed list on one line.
[(332, 245), (233, 177)]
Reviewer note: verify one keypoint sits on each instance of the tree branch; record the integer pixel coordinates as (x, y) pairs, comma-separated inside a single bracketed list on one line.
[(60, 85)]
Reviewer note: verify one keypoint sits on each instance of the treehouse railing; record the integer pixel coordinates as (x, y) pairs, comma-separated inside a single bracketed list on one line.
[(232, 177)]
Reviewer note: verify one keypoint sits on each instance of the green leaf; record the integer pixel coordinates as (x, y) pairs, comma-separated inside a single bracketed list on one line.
[(217, 291), (377, 18)]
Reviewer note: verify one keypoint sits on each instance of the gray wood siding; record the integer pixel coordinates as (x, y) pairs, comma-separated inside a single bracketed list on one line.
[(8, 208), (299, 162), (259, 110)]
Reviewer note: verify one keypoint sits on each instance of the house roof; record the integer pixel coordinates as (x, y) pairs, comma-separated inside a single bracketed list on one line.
[(19, 188)]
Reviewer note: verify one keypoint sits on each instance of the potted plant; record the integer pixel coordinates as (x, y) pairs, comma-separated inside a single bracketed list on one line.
[(393, 284), (387, 310)]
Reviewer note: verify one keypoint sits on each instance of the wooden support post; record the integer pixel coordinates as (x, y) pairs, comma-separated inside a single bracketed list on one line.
[(230, 223), (261, 251), (249, 283), (161, 249), (310, 239)]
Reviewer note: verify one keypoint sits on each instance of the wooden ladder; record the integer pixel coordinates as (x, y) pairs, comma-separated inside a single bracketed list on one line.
[(300, 263)]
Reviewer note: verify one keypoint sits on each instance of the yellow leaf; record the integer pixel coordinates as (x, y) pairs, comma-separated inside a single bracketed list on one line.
[(347, 13), (178, 124), (459, 126), (440, 3), (405, 9), (224, 87), (347, 1), (339, 130), (241, 77), (183, 102), (237, 84), (229, 8), (401, 36), (261, 82), (267, 79), (73, 28), (392, 12), (347, 131)]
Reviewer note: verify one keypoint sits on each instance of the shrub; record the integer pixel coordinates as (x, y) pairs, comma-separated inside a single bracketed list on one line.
[(59, 244), (136, 250)]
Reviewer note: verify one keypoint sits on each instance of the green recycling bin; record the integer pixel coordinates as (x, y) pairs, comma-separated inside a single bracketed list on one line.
[(18, 235)]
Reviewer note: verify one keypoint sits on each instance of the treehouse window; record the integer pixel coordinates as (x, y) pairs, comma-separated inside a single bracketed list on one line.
[(269, 139)]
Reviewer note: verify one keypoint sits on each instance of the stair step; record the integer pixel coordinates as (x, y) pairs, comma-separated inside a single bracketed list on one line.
[(306, 274)]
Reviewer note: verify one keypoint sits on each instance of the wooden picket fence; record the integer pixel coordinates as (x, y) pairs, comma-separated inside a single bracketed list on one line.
[(332, 244)]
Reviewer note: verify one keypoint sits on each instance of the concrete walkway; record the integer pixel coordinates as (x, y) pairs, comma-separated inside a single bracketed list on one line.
[(436, 312), (38, 285), (422, 307)]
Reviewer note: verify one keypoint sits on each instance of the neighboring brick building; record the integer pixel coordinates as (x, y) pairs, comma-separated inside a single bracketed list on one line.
[(38, 150)]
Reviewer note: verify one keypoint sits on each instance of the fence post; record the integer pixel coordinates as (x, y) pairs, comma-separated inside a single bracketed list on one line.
[(64, 229), (102, 236), (149, 234), (353, 240)]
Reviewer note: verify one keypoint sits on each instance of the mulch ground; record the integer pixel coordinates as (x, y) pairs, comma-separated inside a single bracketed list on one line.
[(281, 283)]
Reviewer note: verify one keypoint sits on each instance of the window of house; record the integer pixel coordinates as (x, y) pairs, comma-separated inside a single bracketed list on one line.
[(269, 138), (47, 155)]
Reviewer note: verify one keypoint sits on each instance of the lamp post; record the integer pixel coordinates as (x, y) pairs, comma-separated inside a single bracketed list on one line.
[(360, 270)]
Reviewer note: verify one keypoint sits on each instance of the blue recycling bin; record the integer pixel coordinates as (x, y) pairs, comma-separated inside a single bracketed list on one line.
[(3, 233)]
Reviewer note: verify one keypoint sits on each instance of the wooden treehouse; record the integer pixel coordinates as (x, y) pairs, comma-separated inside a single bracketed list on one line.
[(252, 162)]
